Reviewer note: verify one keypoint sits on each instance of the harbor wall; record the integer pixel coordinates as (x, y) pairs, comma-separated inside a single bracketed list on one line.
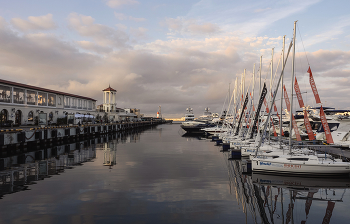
[(14, 139)]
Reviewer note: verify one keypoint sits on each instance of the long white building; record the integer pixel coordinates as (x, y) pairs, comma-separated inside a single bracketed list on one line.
[(22, 104)]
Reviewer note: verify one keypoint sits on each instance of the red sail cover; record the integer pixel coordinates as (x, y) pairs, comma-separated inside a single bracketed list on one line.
[(298, 93), (296, 130), (313, 86), (326, 129)]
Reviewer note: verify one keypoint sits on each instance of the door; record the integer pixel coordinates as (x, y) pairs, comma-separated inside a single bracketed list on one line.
[(18, 117)]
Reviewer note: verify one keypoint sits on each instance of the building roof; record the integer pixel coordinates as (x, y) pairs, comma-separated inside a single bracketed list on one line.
[(110, 89), (42, 89)]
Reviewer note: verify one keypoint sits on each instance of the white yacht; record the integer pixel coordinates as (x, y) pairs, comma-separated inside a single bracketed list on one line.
[(189, 116), (192, 125)]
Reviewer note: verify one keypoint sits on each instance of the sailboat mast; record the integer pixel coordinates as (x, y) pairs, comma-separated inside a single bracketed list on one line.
[(260, 74), (281, 130), (270, 92), (243, 90), (291, 100), (253, 84)]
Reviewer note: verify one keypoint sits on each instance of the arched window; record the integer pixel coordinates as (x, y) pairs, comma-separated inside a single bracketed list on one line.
[(30, 116), (3, 116)]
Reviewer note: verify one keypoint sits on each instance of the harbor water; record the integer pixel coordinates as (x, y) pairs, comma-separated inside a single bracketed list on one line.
[(159, 175)]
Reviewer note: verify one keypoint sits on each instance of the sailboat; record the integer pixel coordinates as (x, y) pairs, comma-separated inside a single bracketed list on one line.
[(295, 163)]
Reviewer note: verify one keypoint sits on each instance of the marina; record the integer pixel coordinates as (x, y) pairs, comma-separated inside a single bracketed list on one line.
[(133, 111), (134, 179)]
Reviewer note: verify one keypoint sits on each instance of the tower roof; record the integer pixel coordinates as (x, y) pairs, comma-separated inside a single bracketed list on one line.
[(110, 89)]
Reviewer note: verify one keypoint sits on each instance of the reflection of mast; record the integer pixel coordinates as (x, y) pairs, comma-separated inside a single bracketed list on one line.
[(242, 186), (260, 203)]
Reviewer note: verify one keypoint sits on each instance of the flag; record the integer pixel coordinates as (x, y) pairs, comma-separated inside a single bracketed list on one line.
[(326, 129), (313, 86), (257, 112), (308, 127), (298, 93), (240, 117)]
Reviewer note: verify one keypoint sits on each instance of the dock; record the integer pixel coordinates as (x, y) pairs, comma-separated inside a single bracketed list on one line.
[(12, 140)]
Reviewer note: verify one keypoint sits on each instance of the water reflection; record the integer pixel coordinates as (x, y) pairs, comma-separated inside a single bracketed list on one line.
[(26, 169), (20, 171), (280, 199), (110, 154)]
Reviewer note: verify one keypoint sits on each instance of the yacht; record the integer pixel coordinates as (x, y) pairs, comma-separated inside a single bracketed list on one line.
[(192, 125)]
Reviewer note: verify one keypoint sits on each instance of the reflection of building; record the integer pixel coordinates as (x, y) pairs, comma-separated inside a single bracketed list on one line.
[(17, 171), (110, 154), (23, 104)]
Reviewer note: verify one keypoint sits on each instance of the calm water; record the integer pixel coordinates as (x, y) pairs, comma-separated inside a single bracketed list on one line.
[(159, 176)]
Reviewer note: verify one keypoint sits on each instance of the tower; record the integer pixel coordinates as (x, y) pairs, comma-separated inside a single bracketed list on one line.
[(159, 113), (109, 99)]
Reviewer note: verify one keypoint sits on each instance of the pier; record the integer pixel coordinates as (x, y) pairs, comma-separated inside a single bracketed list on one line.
[(12, 140)]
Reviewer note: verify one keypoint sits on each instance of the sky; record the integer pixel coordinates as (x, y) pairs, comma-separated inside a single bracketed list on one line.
[(174, 54)]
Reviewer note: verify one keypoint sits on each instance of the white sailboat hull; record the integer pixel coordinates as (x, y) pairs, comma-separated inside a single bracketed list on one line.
[(327, 168)]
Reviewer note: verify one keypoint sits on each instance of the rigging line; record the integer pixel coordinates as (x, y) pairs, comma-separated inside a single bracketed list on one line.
[(303, 46)]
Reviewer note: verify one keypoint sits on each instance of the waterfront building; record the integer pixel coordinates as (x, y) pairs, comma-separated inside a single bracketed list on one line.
[(22, 104), (108, 111)]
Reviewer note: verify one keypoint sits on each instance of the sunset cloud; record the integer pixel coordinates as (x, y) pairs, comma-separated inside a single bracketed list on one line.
[(34, 23)]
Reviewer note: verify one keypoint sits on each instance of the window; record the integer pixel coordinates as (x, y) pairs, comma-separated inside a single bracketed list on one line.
[(52, 100), (30, 116), (90, 105), (59, 101), (42, 99), (67, 102), (74, 103), (299, 159), (18, 95), (5, 94), (79, 104), (3, 116), (31, 97), (84, 104)]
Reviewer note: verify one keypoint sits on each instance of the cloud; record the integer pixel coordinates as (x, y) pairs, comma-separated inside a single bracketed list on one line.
[(139, 32), (118, 3), (87, 45), (190, 26), (103, 35), (203, 28), (34, 23), (121, 26), (121, 16)]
